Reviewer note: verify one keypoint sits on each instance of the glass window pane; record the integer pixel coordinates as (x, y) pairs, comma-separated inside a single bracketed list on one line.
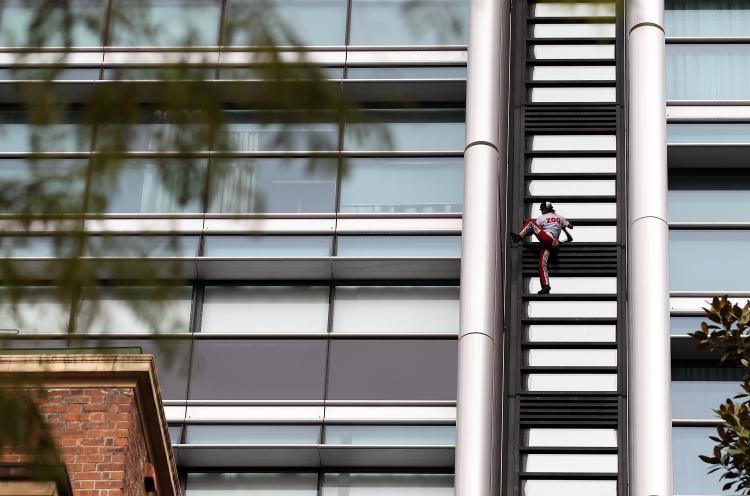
[(583, 52), (689, 473), (385, 435), (713, 133), (583, 9), (399, 246), (142, 246), (386, 369), (572, 164), (407, 130), (544, 462), (576, 285), (679, 326), (714, 18), (576, 438), (311, 22), (384, 309), (580, 210), (399, 22), (278, 131), (573, 73), (402, 185), (32, 310), (560, 142), (388, 484), (252, 434), (67, 135), (175, 434), (697, 391), (588, 30), (570, 358), (407, 72), (571, 308), (707, 72), (148, 186), (708, 196), (570, 487), (545, 187), (18, 16), (694, 247), (591, 234), (571, 334), (258, 369), (36, 246), (545, 95), (251, 484), (42, 186), (268, 246), (570, 382), (271, 185), (165, 23), (137, 310), (289, 309)]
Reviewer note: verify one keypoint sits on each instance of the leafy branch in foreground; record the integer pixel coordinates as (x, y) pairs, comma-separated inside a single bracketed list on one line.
[(728, 334)]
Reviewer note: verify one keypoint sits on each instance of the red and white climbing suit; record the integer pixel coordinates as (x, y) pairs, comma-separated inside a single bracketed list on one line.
[(547, 229)]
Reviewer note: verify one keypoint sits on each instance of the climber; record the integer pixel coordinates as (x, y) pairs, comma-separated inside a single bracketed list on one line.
[(547, 228)]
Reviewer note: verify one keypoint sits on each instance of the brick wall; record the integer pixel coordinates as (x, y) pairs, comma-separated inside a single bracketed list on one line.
[(101, 439)]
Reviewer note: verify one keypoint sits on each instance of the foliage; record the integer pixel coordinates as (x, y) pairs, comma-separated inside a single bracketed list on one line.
[(728, 334)]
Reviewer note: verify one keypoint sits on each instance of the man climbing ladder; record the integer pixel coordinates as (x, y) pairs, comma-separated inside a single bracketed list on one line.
[(547, 228)]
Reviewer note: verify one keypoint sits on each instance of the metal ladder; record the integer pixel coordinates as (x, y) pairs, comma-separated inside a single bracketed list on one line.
[(565, 352)]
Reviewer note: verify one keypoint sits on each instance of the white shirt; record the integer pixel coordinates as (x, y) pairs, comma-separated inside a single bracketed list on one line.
[(552, 224)]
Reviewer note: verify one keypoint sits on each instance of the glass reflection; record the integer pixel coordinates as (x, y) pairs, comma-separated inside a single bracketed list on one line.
[(579, 463), (714, 18), (689, 473), (570, 165), (681, 325), (142, 246), (691, 248), (583, 52), (570, 358), (33, 310), (313, 22), (544, 187), (391, 435), (598, 95), (580, 9), (20, 26), (407, 72), (278, 131), (714, 133), (165, 23), (399, 22), (571, 333), (697, 391), (573, 73), (589, 30), (576, 438), (267, 246), (398, 246), (571, 309), (43, 186), (708, 196), (369, 484), (67, 135), (566, 142), (404, 130), (250, 309), (385, 309), (707, 72), (570, 487), (402, 185), (251, 484), (260, 185), (252, 434), (570, 382)]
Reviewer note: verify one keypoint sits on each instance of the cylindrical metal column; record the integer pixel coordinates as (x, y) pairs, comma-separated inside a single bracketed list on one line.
[(649, 397), (478, 418)]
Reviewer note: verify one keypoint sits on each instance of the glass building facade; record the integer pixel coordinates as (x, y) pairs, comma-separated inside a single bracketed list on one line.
[(307, 340)]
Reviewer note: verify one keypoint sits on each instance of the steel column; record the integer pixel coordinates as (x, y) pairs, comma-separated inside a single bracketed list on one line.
[(480, 341), (649, 397)]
